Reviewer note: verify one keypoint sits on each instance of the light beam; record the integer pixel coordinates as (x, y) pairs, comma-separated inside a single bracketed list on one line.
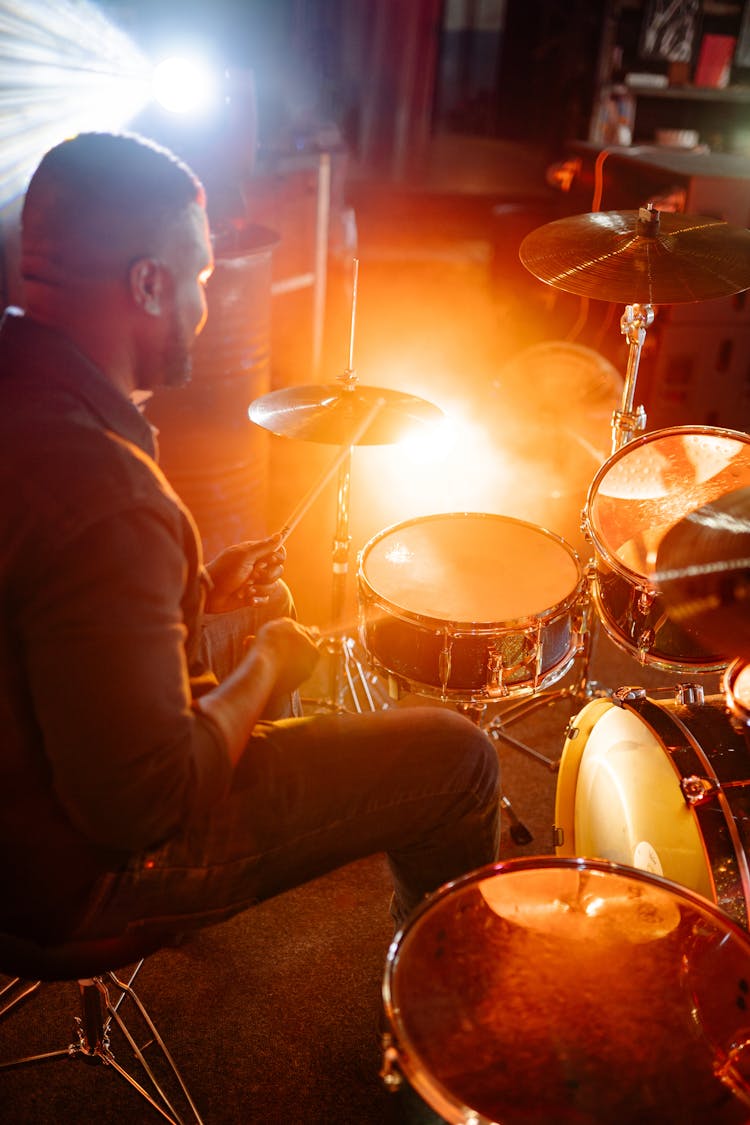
[(66, 69)]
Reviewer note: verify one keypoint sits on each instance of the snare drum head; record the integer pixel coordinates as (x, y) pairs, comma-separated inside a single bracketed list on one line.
[(570, 991), (619, 798), (650, 484), (470, 568)]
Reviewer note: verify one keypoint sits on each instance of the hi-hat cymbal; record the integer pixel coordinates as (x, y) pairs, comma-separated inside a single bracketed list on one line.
[(640, 257), (332, 413), (703, 571)]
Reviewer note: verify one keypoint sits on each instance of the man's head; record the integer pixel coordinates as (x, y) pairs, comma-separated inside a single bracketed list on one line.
[(114, 223)]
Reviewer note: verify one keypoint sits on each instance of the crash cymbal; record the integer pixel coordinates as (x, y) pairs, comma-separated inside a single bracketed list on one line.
[(640, 257), (703, 571), (331, 413)]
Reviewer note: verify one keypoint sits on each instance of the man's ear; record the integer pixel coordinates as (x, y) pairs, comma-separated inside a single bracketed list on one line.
[(147, 285)]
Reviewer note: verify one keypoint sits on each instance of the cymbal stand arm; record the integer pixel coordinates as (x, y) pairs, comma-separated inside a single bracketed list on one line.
[(630, 420)]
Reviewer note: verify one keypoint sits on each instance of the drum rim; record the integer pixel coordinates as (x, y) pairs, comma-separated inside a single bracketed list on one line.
[(592, 532), (400, 1044), (461, 626)]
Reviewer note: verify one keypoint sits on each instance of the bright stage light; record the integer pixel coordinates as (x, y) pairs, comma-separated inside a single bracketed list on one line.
[(66, 69), (185, 85)]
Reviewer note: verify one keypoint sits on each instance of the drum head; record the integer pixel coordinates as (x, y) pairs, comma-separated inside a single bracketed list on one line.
[(619, 798), (652, 483), (470, 568), (573, 991)]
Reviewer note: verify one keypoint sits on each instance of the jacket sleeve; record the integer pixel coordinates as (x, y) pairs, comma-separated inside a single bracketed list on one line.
[(104, 639)]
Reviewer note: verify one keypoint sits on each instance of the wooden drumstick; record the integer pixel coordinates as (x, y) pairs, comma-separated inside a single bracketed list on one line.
[(307, 502)]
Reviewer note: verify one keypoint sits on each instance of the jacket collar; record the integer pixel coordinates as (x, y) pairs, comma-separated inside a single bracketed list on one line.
[(32, 352)]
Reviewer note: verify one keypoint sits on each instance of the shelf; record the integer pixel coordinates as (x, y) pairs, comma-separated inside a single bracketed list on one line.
[(739, 94)]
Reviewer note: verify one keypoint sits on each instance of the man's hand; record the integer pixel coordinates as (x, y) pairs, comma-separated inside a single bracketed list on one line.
[(293, 649), (245, 574), (281, 656)]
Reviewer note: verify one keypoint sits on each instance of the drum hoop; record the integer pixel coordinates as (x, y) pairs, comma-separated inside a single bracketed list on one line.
[(570, 761), (470, 628), (592, 532)]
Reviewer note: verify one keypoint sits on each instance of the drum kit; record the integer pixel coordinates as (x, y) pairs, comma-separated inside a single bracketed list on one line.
[(495, 990)]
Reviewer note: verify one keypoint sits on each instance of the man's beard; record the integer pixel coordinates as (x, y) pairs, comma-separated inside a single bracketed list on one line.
[(177, 362), (172, 367)]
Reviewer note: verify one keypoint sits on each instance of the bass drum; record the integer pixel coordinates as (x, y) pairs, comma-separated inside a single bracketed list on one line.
[(470, 606), (641, 492), (557, 990), (664, 787)]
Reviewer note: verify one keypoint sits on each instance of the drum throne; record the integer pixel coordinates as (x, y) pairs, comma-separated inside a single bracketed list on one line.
[(101, 994)]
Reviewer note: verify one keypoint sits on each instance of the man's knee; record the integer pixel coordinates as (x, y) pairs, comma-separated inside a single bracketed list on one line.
[(470, 749)]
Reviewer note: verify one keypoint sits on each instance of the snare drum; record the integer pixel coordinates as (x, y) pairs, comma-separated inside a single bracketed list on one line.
[(548, 989), (642, 491), (664, 787), (469, 606)]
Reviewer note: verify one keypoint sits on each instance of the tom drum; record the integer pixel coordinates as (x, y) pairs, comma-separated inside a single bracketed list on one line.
[(643, 490), (549, 989)]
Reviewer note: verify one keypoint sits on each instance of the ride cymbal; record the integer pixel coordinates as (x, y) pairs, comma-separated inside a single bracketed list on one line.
[(703, 571), (331, 413), (640, 257)]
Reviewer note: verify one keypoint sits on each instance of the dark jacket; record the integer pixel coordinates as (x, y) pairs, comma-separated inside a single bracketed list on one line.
[(102, 754)]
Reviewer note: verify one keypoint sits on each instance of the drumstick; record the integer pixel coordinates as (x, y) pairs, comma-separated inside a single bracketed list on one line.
[(307, 502)]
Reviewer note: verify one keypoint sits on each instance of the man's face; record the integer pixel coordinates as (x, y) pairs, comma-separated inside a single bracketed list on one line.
[(187, 262)]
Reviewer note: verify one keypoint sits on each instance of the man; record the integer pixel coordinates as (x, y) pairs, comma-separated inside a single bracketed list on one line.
[(137, 789)]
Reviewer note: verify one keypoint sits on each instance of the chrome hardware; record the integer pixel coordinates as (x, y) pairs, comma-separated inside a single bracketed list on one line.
[(625, 695), (689, 693), (645, 643), (444, 661), (697, 790), (389, 1072)]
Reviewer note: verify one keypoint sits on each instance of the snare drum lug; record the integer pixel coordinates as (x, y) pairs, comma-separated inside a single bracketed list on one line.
[(625, 695), (558, 836), (697, 790), (444, 661), (389, 1072), (645, 599), (494, 670), (689, 693)]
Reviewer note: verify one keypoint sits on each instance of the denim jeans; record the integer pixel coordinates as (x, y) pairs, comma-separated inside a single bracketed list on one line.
[(309, 795)]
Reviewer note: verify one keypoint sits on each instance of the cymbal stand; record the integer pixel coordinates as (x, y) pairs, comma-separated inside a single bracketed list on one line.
[(630, 420), (346, 672)]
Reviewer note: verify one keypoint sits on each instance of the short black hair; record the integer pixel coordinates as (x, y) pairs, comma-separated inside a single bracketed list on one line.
[(99, 200)]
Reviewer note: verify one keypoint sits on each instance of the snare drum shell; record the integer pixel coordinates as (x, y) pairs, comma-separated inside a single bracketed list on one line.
[(621, 795), (630, 606), (453, 659)]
